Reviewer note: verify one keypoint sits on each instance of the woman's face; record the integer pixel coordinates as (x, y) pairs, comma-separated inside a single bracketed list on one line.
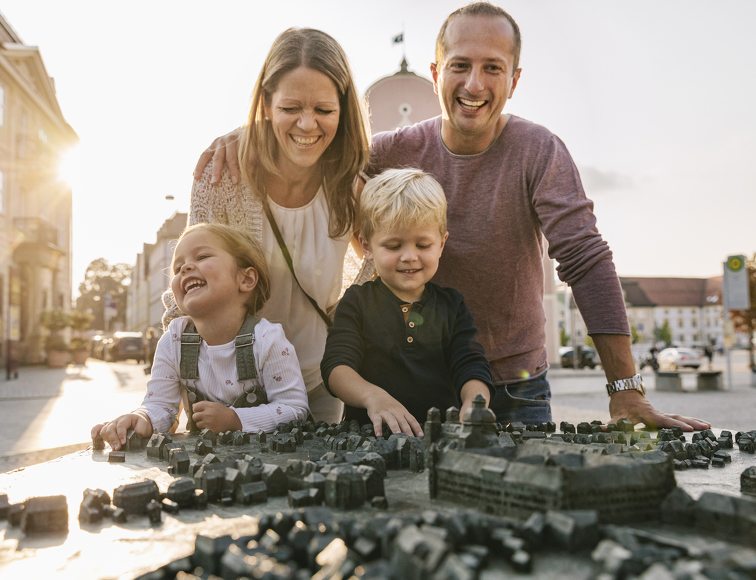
[(304, 114)]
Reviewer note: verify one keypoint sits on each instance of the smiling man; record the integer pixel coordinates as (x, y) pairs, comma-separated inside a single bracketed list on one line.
[(509, 183)]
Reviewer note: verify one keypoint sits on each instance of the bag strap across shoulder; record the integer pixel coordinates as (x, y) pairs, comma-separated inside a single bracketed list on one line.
[(287, 257)]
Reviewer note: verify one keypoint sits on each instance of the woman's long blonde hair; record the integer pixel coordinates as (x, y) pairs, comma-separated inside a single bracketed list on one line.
[(347, 154)]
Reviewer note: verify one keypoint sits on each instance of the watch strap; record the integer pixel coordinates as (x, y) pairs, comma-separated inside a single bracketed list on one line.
[(634, 383)]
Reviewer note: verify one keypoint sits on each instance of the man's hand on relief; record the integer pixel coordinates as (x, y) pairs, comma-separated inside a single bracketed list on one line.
[(223, 151), (634, 406)]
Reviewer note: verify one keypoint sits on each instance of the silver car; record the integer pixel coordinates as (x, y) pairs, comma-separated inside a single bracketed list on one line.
[(679, 357)]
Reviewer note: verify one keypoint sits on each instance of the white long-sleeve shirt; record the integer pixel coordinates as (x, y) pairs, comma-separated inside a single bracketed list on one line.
[(277, 369)]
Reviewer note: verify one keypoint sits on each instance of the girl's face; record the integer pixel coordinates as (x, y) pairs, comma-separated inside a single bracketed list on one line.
[(206, 279), (304, 114)]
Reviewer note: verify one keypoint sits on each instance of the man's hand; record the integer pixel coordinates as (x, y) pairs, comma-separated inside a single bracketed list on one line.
[(114, 432), (383, 408), (634, 406), (216, 417), (224, 150)]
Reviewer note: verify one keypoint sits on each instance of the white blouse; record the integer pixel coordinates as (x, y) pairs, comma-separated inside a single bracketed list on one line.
[(277, 370), (318, 262)]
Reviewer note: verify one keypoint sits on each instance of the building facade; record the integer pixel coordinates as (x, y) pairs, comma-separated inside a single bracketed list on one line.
[(35, 203), (151, 276), (690, 307)]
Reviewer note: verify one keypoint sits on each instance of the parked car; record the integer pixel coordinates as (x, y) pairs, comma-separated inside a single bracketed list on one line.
[(588, 357), (679, 357), (126, 345)]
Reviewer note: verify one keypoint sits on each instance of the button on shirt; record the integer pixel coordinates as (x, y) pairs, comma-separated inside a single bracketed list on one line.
[(421, 353)]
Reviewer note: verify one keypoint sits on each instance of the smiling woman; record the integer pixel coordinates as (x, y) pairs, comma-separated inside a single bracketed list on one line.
[(311, 137)]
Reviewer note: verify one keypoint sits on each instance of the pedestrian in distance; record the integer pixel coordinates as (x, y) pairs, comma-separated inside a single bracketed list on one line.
[(231, 370)]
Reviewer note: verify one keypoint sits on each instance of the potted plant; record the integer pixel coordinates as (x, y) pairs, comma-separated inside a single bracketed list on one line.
[(56, 347), (80, 322), (79, 350)]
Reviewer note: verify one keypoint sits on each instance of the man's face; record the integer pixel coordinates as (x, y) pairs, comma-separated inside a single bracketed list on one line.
[(475, 78)]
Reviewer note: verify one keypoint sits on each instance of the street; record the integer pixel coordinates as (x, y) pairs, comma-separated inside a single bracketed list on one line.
[(47, 413)]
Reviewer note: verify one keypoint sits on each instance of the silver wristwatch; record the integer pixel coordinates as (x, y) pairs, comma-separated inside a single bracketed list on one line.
[(634, 383)]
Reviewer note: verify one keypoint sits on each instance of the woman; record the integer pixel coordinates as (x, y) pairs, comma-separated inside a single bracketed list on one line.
[(311, 137)]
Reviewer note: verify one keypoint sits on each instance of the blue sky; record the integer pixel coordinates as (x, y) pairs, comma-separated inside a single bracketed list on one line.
[(655, 101)]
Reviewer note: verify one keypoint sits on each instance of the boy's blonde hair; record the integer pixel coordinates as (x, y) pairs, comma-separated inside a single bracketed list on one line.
[(399, 198), (246, 250)]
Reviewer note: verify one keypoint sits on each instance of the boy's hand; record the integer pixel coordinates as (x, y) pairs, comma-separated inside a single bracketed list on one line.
[(114, 432), (383, 408), (216, 417), (470, 389)]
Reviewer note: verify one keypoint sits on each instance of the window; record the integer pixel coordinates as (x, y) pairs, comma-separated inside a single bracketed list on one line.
[(680, 323), (694, 322), (682, 338)]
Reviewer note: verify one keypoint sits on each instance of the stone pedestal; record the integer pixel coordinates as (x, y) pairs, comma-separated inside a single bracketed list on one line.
[(710, 381), (668, 381)]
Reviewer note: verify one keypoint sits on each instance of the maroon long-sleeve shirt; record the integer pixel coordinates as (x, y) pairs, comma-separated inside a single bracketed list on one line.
[(500, 204)]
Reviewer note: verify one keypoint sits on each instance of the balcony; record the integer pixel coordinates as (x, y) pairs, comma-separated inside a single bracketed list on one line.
[(37, 243)]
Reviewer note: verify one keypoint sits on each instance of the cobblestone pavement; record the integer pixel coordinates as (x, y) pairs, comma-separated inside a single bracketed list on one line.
[(46, 413), (49, 412)]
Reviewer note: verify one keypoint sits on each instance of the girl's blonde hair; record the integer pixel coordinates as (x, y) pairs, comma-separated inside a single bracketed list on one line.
[(399, 198), (246, 250), (347, 154)]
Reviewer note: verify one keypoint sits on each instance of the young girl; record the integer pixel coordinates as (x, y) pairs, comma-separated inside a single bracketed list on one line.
[(232, 371)]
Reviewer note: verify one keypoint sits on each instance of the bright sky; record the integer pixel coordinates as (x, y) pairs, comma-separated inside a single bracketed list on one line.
[(655, 101)]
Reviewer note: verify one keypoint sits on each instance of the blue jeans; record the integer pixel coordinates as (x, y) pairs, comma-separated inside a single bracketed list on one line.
[(527, 402)]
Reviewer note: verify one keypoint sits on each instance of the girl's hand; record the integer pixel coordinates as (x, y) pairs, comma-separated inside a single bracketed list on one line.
[(216, 417), (114, 432)]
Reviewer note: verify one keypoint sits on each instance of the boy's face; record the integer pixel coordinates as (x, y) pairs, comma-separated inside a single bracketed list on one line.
[(406, 258)]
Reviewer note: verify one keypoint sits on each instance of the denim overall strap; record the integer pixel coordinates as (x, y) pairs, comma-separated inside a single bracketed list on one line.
[(246, 370), (189, 369), (244, 343)]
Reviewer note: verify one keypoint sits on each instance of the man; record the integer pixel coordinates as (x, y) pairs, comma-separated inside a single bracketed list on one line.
[(508, 182)]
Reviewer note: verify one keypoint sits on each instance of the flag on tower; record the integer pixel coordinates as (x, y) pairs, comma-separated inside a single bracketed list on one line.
[(399, 38)]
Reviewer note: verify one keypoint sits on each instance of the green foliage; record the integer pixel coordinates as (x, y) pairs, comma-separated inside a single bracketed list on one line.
[(81, 320), (663, 333), (55, 320), (589, 341), (634, 334), (78, 343), (54, 342), (564, 338), (102, 278)]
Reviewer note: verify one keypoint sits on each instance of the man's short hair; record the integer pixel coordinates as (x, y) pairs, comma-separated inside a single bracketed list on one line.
[(479, 9), (399, 198)]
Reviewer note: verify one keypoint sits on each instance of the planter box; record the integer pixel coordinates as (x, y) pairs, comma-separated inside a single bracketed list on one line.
[(710, 381), (57, 358), (80, 356), (668, 381)]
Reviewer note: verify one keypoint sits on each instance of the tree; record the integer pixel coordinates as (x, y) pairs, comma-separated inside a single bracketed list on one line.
[(634, 334), (564, 338), (745, 320), (663, 334), (101, 279)]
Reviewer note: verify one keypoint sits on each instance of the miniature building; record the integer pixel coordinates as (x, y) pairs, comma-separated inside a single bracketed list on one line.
[(620, 488)]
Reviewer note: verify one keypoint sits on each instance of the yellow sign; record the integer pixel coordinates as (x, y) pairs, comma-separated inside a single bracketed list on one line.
[(735, 263)]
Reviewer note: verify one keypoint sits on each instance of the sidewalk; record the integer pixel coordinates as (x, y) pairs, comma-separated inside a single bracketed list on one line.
[(46, 412)]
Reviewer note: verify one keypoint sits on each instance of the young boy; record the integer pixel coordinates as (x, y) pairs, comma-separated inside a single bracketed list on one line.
[(400, 345)]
